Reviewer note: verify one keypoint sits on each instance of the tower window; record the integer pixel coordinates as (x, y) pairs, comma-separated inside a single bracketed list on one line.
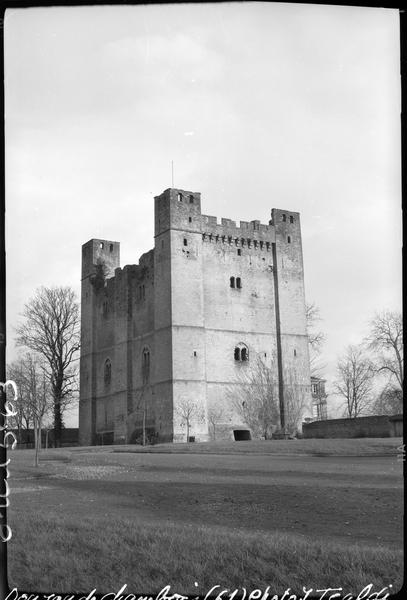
[(291, 219), (288, 239), (239, 252), (284, 218), (179, 197), (185, 242), (101, 245), (238, 283), (190, 219), (107, 372), (232, 282), (191, 199), (241, 353), (145, 365), (111, 248)]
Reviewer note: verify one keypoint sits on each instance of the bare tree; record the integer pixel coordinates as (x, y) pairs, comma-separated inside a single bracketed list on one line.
[(255, 398), (296, 401), (215, 416), (316, 338), (355, 377), (189, 411), (22, 420), (51, 329), (386, 340), (34, 394)]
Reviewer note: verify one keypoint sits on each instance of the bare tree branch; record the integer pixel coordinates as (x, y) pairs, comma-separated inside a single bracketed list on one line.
[(255, 398), (386, 341)]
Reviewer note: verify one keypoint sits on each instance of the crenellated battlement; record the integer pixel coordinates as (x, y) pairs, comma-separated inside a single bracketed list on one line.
[(226, 228)]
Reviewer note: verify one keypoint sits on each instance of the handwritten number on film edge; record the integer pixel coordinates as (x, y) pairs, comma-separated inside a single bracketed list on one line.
[(5, 530)]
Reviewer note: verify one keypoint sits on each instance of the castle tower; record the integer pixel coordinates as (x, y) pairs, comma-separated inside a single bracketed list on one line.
[(167, 344), (179, 315), (99, 260), (291, 327)]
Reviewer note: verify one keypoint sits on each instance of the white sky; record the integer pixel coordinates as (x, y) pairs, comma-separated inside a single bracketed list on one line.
[(259, 106)]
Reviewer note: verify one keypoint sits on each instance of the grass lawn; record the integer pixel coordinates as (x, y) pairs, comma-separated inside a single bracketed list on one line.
[(63, 554), (322, 447), (317, 517)]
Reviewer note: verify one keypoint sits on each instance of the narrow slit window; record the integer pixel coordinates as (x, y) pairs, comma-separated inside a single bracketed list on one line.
[(179, 196), (145, 365), (239, 252), (232, 282), (190, 219), (284, 218), (238, 283), (185, 242), (111, 248), (237, 353), (107, 375), (289, 239), (291, 219)]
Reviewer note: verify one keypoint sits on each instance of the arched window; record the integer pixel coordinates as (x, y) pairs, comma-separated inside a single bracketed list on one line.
[(107, 372), (145, 365), (179, 197), (241, 353), (291, 219)]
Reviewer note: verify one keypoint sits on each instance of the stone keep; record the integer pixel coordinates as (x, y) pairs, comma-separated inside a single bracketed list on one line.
[(179, 329)]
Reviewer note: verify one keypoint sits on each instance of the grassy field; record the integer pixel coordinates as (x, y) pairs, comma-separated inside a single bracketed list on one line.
[(97, 518), (321, 447)]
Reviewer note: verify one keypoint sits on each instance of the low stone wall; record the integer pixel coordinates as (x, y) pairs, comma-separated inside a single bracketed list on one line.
[(376, 426)]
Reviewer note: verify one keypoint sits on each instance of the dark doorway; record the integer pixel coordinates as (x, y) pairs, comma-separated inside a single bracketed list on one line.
[(241, 435)]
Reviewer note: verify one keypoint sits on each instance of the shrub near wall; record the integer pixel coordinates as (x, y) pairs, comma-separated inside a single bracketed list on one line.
[(376, 426)]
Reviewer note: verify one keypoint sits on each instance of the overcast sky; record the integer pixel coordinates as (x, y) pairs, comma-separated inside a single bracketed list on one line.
[(259, 106)]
